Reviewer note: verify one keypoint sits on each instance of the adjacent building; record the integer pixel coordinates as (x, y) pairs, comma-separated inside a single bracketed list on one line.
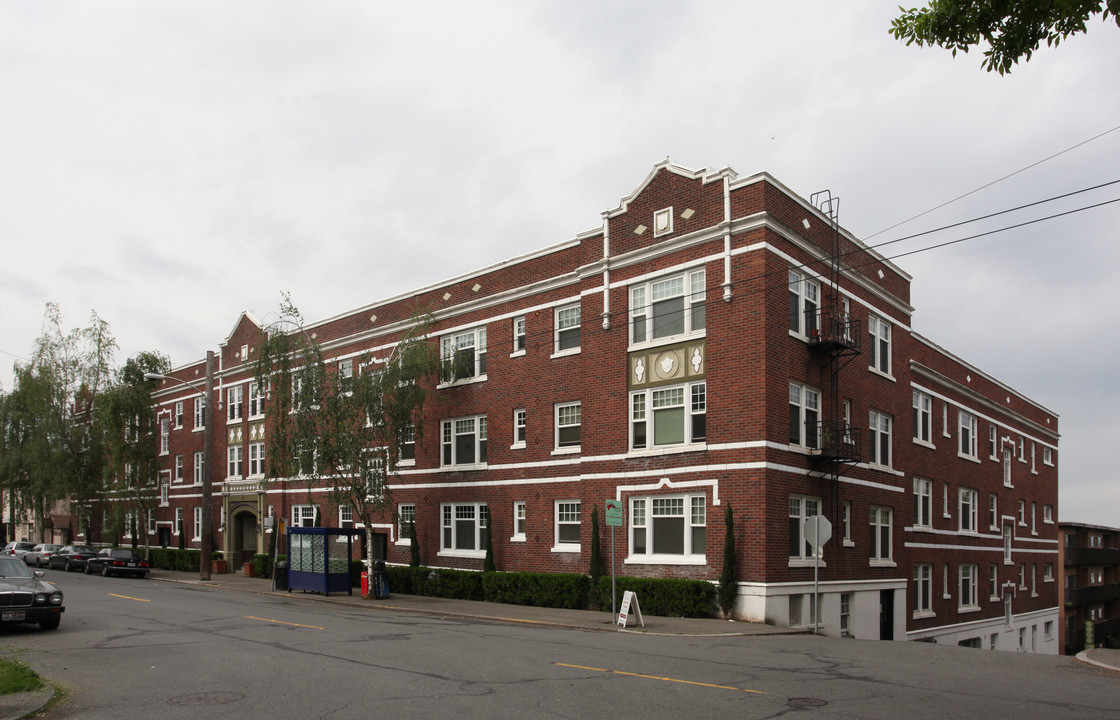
[(714, 339), (1090, 562)]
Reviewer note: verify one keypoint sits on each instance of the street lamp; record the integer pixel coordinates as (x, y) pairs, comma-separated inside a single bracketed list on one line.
[(205, 544)]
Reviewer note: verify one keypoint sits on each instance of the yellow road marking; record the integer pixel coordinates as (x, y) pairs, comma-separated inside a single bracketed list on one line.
[(655, 677), (280, 622), (126, 597)]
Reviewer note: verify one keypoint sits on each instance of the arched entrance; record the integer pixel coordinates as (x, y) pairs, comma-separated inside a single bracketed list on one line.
[(244, 541)]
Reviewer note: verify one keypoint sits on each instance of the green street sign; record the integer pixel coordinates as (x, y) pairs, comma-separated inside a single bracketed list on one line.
[(614, 513)]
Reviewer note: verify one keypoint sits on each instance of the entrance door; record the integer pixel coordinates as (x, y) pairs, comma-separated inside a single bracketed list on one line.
[(886, 614), (164, 537), (247, 535)]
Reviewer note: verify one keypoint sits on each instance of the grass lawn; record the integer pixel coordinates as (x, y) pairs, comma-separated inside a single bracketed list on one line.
[(16, 677)]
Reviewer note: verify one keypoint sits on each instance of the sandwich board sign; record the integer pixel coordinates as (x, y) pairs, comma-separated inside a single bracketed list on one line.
[(629, 597)]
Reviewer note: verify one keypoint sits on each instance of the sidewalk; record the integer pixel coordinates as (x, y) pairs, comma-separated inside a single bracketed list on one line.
[(526, 614)]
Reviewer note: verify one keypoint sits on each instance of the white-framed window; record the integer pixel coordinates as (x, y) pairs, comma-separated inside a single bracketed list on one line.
[(567, 329), (967, 575), (256, 458), (923, 502), (1022, 576), (178, 468), (1007, 467), (1047, 456), (199, 466), (406, 516), (880, 438), (303, 516), (967, 429), (800, 508), (463, 441), (845, 614), (233, 402), (993, 512), (345, 375), (993, 444), (151, 523), (178, 521), (1022, 513), (519, 428), (345, 517), (463, 527), (179, 415), (463, 356), (879, 344), (668, 528), (668, 307), (923, 590), (519, 340), (519, 516), (1034, 579), (164, 494), (1048, 572), (668, 416), (297, 392), (568, 426), (164, 436), (1048, 514), (1034, 467), (1022, 450), (199, 413), (993, 582), (1008, 533), (804, 416), (804, 304), (567, 525), (235, 457), (848, 525), (1034, 515), (968, 504), (408, 445), (256, 401), (197, 523), (923, 418), (880, 520)]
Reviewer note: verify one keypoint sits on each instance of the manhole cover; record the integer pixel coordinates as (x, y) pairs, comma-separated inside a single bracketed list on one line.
[(207, 698), (807, 702)]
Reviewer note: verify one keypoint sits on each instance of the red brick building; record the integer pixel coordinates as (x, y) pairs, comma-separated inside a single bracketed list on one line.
[(715, 340)]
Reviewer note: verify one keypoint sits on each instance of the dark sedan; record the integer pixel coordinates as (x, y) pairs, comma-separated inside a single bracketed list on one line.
[(71, 557), (117, 561), (25, 598)]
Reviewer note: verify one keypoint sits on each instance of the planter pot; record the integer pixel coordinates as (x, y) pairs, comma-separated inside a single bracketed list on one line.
[(219, 567), (247, 570)]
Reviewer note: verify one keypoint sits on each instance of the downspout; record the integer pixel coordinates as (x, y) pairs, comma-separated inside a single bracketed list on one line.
[(726, 238)]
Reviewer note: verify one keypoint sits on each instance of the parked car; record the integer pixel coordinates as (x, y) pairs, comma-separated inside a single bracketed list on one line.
[(25, 597), (40, 554), (117, 561), (71, 557), (16, 549)]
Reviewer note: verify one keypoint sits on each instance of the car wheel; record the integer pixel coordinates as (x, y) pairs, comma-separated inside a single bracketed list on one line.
[(87, 570), (50, 624), (105, 571), (68, 568)]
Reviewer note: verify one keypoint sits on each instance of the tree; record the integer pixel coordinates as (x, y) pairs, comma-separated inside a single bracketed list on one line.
[(729, 575), (488, 564), (1013, 29), (595, 567), (343, 426), (414, 545)]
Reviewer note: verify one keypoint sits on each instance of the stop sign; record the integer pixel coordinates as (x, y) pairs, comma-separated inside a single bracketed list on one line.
[(818, 530)]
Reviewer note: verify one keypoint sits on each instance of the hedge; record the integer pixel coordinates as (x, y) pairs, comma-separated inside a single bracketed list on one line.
[(668, 597)]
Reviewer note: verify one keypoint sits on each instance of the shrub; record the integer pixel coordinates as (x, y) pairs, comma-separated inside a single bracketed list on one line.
[(667, 597), (558, 590), (262, 565)]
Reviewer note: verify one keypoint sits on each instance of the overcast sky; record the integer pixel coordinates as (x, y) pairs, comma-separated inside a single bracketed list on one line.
[(170, 164)]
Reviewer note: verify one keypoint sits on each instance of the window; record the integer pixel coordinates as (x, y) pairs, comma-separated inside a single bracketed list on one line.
[(567, 530), (463, 356), (668, 416), (345, 375), (923, 590), (519, 515), (880, 518), (804, 304), (880, 426), (879, 344), (233, 404), (164, 494), (969, 509), (198, 523), (992, 432), (993, 582), (164, 435), (1022, 513), (519, 428), (199, 465), (1034, 579), (303, 516), (1022, 576), (923, 502), (967, 599), (801, 508), (463, 526), (179, 415), (668, 307), (1048, 572), (967, 434), (845, 613), (178, 521), (406, 516), (408, 444), (1048, 514), (567, 329), (151, 523), (199, 413), (256, 401), (923, 418), (568, 426), (235, 458), (1034, 467), (345, 518), (669, 528), (1007, 533), (1047, 456), (993, 514), (178, 468), (1034, 514), (256, 458), (848, 525), (464, 441), (804, 416), (519, 334)]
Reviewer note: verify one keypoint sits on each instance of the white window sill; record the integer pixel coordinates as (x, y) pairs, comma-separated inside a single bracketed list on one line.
[(462, 381), (404, 542), (882, 563), (880, 467), (517, 538), (804, 563), (672, 339), (923, 614), (164, 453), (564, 353), (665, 450), (517, 446), (456, 468), (517, 353), (566, 451), (965, 609), (406, 463), (462, 553), (667, 560), (925, 443), (993, 598), (970, 458), (259, 416), (233, 421), (848, 543), (880, 373), (198, 429), (566, 548)]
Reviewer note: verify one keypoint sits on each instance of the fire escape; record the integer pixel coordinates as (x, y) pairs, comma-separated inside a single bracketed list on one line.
[(834, 340)]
